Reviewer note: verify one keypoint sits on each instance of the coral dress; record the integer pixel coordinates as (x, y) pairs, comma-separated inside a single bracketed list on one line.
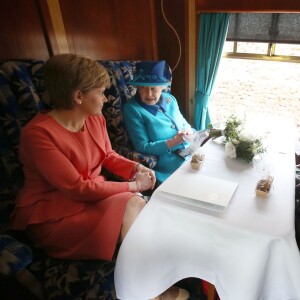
[(67, 207)]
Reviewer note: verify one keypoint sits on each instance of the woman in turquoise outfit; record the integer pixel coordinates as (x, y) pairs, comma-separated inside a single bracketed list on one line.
[(153, 119)]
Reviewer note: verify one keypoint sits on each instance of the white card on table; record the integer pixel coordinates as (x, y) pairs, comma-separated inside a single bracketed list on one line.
[(200, 190)]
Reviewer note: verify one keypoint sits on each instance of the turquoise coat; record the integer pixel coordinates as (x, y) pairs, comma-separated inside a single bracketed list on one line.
[(150, 126)]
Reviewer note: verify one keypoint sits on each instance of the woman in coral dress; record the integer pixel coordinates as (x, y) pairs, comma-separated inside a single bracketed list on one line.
[(66, 206)]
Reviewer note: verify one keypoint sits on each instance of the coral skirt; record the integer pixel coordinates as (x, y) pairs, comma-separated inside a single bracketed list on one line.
[(90, 234)]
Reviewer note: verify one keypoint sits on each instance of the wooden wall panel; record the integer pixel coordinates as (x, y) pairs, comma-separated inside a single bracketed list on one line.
[(110, 29), (247, 6), (168, 48), (21, 31)]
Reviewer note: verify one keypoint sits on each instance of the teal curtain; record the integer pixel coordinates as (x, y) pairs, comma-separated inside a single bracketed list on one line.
[(212, 34)]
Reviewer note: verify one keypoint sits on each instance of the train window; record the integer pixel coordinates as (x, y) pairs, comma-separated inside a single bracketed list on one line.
[(267, 36)]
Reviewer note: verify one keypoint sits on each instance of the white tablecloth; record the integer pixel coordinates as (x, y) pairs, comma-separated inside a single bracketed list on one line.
[(248, 253)]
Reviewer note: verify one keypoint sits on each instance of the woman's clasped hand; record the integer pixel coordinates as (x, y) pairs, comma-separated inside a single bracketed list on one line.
[(144, 180)]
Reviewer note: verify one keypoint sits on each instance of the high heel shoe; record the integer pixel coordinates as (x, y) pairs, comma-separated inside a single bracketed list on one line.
[(173, 293), (183, 295)]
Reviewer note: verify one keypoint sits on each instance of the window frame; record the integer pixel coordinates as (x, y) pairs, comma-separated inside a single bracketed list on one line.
[(269, 56)]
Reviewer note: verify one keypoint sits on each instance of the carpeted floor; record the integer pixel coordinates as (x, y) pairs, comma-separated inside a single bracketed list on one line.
[(194, 286), (12, 290)]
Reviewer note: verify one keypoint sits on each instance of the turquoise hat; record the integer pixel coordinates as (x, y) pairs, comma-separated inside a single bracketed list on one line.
[(150, 73)]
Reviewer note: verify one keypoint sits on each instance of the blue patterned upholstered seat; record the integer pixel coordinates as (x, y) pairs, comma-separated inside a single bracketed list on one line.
[(22, 95)]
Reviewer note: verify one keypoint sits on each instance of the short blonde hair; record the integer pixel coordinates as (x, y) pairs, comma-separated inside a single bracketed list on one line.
[(66, 73)]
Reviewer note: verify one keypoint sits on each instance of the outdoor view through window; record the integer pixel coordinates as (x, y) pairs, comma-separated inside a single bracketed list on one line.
[(256, 83)]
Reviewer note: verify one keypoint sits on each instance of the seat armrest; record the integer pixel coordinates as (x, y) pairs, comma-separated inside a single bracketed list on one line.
[(148, 161), (14, 256), (14, 259)]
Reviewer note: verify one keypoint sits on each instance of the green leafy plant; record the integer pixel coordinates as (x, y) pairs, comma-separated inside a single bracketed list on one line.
[(238, 142)]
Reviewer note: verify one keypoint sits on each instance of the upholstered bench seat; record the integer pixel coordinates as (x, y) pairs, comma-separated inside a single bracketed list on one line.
[(22, 95)]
